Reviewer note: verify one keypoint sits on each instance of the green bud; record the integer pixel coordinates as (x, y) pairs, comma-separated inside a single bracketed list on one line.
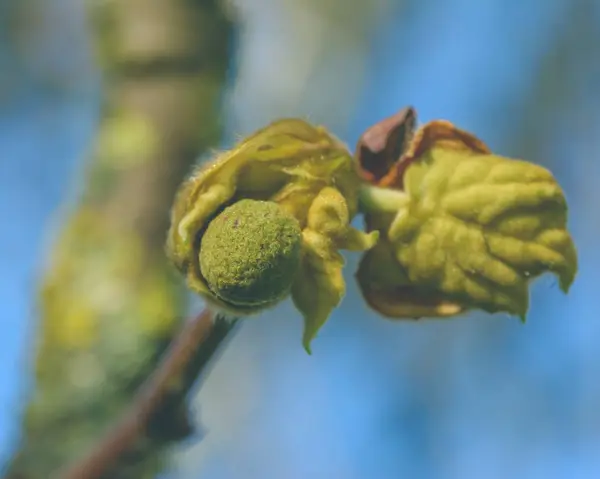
[(249, 254), (305, 182)]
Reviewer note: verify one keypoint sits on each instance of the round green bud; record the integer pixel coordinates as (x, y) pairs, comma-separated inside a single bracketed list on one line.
[(250, 253)]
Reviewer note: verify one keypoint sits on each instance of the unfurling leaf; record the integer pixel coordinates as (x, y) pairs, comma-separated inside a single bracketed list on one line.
[(288, 176), (474, 228), (319, 286), (387, 289)]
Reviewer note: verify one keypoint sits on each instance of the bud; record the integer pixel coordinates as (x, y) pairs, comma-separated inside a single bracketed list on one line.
[(291, 181), (249, 254)]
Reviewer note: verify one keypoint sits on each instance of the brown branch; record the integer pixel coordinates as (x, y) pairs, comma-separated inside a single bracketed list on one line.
[(188, 355)]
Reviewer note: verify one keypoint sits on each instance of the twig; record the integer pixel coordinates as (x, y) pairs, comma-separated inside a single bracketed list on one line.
[(187, 356)]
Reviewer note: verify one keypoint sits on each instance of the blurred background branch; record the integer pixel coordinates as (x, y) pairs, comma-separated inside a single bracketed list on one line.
[(110, 302), (160, 403)]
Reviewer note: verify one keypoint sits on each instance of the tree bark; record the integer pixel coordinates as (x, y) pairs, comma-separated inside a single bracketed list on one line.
[(110, 302)]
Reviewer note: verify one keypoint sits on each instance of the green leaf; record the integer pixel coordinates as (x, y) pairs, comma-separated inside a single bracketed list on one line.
[(288, 162), (319, 286), (479, 227)]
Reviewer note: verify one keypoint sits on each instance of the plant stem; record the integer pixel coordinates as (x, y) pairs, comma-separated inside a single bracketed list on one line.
[(188, 355), (373, 199)]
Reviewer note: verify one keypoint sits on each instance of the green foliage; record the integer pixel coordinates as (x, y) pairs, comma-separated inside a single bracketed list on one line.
[(479, 227), (303, 171), (451, 226), (468, 230), (320, 286)]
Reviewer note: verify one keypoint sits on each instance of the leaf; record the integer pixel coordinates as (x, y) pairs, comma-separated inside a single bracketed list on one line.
[(382, 145), (288, 162), (319, 286), (386, 288), (479, 227)]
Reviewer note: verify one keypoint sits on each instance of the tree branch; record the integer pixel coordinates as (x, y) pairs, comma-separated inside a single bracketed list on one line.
[(188, 356)]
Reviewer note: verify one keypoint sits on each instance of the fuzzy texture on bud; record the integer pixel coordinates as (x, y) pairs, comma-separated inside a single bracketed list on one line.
[(249, 254)]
